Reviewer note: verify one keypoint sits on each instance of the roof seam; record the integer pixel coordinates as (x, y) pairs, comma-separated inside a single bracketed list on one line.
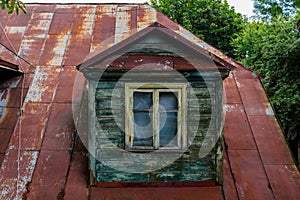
[(231, 172), (45, 39), (45, 127), (255, 142), (14, 52)]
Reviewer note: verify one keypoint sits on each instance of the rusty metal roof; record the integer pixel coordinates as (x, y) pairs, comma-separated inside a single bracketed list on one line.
[(35, 148)]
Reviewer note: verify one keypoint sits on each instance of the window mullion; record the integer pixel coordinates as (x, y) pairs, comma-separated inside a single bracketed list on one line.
[(179, 118), (155, 119), (131, 119)]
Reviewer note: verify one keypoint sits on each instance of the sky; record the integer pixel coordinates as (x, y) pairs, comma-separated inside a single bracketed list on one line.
[(243, 6)]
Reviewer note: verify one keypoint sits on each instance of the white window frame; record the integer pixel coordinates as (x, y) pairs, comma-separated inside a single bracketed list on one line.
[(180, 89)]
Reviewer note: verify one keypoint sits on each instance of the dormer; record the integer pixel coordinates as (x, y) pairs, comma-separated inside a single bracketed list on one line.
[(155, 111)]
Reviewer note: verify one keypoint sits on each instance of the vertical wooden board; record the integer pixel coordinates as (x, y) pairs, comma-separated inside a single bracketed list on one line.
[(92, 128)]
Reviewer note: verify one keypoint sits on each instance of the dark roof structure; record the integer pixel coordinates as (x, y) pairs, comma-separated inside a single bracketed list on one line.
[(8, 70), (42, 157)]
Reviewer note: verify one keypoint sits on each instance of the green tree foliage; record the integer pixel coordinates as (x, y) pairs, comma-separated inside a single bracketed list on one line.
[(269, 9), (274, 49), (211, 20), (272, 45), (13, 5)]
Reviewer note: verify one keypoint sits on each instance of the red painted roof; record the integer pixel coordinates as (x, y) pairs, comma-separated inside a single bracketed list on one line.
[(42, 157)]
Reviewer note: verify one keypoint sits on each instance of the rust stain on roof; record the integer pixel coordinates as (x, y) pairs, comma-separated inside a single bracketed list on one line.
[(43, 85), (55, 39)]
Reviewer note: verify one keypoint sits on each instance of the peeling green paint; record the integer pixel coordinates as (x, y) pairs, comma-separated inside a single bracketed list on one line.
[(201, 112)]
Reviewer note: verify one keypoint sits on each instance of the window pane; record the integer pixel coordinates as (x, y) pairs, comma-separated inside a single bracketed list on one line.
[(143, 129), (142, 100), (168, 101), (168, 129)]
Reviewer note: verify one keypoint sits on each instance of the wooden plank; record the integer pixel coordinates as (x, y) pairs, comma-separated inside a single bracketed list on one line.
[(92, 129)]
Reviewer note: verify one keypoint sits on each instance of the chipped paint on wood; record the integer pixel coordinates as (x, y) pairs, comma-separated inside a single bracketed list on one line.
[(201, 132)]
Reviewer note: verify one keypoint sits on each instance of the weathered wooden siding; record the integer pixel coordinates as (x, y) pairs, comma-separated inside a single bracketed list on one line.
[(201, 130), (110, 115)]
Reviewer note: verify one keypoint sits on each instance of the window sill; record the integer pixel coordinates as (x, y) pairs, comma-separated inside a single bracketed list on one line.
[(180, 151)]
